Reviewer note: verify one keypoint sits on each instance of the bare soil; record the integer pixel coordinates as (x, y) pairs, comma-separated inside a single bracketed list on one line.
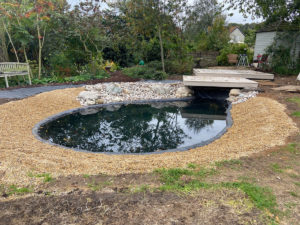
[(123, 199)]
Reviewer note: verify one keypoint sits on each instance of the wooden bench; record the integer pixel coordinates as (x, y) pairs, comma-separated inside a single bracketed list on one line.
[(11, 69)]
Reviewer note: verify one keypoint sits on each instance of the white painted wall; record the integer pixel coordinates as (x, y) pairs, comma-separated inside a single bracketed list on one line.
[(237, 36), (263, 40)]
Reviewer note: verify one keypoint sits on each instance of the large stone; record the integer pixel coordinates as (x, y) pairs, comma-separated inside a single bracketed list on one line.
[(113, 88), (234, 92), (100, 101), (85, 112), (160, 89), (183, 92), (298, 78), (88, 97)]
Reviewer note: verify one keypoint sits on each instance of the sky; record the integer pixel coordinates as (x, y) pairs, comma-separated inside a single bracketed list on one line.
[(236, 18)]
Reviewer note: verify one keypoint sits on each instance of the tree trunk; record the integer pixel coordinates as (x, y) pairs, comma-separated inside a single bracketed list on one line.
[(161, 49), (3, 48), (11, 42), (41, 44)]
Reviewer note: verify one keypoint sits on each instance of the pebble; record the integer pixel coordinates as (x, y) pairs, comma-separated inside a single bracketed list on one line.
[(124, 91)]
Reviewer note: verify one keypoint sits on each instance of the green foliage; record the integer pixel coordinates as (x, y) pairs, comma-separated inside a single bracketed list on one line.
[(95, 186), (184, 66), (294, 194), (234, 49), (47, 176), (282, 62), (231, 162), (13, 189), (101, 74), (188, 180), (262, 197), (61, 65), (144, 72), (295, 100), (297, 114), (292, 148), (276, 168)]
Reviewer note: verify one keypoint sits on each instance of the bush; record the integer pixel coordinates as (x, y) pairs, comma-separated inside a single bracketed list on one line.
[(234, 49), (155, 65), (61, 65), (179, 66), (144, 72), (281, 61)]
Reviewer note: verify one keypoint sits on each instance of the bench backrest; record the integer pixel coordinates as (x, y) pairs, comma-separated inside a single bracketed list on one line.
[(13, 67)]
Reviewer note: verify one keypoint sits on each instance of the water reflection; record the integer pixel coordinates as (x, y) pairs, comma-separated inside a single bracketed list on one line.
[(138, 128)]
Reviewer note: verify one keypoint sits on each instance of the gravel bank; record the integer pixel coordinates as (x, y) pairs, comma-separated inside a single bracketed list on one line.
[(259, 123)]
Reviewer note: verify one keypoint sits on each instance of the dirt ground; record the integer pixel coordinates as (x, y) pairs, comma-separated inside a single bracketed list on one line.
[(138, 198)]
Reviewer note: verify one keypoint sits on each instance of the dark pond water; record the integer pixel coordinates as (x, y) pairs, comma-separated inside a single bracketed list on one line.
[(138, 128)]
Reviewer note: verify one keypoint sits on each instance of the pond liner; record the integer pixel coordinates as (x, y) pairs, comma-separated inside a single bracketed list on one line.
[(35, 130)]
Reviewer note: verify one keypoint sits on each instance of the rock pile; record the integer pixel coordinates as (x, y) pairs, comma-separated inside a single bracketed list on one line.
[(238, 96), (119, 92)]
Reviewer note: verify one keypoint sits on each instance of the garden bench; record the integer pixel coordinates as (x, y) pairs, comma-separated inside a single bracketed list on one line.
[(11, 69)]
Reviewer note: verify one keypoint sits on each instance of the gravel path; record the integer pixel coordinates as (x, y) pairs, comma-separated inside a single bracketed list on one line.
[(27, 92), (259, 123)]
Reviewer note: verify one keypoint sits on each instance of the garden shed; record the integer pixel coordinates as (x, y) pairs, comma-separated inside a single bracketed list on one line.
[(266, 36)]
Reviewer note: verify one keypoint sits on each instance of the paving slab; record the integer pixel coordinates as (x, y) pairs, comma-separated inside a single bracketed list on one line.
[(27, 92), (224, 82), (249, 74)]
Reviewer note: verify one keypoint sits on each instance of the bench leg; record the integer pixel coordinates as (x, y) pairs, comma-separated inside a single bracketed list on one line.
[(29, 78), (6, 81)]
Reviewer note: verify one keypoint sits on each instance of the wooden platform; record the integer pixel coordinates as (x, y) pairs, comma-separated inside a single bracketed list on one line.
[(224, 82), (249, 74)]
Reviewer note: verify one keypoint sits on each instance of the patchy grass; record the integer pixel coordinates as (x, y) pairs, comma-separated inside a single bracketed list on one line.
[(98, 186), (297, 114), (47, 176), (297, 184), (262, 197), (86, 176), (191, 166), (247, 179), (276, 168), (230, 163), (294, 100), (142, 188), (15, 190), (294, 194), (187, 181), (292, 148)]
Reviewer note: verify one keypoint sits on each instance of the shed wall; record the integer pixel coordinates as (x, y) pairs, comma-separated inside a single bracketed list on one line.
[(263, 40)]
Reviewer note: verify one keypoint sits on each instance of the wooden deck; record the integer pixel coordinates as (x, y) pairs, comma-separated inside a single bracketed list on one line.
[(214, 81), (248, 74)]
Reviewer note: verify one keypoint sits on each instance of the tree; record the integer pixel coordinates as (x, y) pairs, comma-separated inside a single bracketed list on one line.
[(200, 17), (271, 10)]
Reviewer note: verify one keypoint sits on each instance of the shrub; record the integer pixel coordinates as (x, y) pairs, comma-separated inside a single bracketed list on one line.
[(155, 65), (281, 61), (144, 72), (179, 66), (234, 49), (61, 65)]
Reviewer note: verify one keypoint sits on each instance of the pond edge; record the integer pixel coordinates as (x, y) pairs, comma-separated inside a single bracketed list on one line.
[(35, 130)]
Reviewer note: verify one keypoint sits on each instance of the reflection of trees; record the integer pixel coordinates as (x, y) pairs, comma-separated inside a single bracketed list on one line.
[(197, 125), (130, 129)]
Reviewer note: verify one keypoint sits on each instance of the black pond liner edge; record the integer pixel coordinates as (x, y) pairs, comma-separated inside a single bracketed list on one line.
[(35, 130)]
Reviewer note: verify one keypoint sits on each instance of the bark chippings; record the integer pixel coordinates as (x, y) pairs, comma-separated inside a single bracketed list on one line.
[(259, 123)]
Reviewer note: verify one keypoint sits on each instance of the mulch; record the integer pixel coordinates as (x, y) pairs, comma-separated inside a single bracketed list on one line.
[(117, 76)]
